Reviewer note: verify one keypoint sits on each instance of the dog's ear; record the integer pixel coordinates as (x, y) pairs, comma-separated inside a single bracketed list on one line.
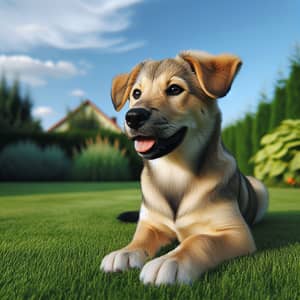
[(214, 73), (122, 85)]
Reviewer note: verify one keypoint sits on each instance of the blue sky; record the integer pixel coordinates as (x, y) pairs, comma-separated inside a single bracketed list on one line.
[(66, 50)]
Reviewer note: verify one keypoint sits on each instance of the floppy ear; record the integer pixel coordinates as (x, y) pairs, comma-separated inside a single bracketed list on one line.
[(214, 73), (122, 85)]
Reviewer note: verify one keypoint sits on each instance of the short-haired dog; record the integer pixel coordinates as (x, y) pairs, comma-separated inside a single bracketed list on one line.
[(192, 189)]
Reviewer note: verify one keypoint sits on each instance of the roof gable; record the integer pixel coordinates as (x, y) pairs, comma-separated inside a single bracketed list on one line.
[(88, 104)]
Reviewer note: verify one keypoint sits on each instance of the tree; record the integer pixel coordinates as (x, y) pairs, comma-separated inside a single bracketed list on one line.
[(228, 136), (3, 97), (15, 109), (278, 104), (247, 143), (261, 121), (243, 137), (243, 143), (293, 88)]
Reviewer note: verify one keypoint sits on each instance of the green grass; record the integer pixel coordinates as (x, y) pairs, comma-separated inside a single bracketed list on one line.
[(53, 237)]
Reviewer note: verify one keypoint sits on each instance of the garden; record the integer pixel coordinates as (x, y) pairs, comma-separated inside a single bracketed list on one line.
[(60, 194)]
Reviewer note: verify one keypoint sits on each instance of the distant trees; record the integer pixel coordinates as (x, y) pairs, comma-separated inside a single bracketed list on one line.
[(15, 108), (261, 121), (278, 105), (293, 88), (243, 137)]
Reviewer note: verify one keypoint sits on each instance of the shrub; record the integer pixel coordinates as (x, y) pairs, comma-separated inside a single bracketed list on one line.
[(101, 161), (279, 159), (68, 141), (25, 161)]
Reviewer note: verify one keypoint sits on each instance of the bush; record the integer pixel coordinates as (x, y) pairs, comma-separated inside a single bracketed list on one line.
[(101, 161), (25, 161), (70, 141), (279, 159)]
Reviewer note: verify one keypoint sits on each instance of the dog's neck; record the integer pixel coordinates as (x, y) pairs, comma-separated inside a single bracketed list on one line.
[(202, 160)]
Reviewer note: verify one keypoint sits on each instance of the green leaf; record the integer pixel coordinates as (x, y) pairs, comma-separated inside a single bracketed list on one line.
[(262, 170), (260, 156), (295, 162), (280, 154), (258, 172), (269, 138), (293, 144), (292, 123), (278, 167), (273, 148), (290, 137)]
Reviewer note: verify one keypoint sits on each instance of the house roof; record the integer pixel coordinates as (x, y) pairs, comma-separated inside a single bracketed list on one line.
[(96, 109)]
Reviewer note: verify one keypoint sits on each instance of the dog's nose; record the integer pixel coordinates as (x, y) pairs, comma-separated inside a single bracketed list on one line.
[(136, 117)]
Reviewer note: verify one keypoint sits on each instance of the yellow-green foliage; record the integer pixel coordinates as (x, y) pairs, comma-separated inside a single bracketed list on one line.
[(101, 161), (279, 157)]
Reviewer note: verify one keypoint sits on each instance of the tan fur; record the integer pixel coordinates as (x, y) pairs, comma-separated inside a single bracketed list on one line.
[(191, 193), (215, 73), (122, 85)]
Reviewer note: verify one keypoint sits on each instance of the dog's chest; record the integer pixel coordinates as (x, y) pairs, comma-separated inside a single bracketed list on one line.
[(171, 180)]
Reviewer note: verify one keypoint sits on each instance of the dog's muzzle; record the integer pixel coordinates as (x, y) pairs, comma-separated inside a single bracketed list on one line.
[(136, 117), (152, 147), (154, 144)]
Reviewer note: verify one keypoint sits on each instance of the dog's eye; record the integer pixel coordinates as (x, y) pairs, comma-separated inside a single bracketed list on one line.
[(174, 90), (136, 94)]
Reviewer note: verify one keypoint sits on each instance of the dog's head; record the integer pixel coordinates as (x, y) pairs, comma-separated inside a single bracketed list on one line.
[(172, 100)]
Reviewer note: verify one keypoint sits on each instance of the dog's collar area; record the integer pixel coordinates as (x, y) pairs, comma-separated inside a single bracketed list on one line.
[(163, 146)]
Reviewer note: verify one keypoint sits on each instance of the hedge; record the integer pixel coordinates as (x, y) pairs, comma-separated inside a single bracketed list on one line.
[(71, 142)]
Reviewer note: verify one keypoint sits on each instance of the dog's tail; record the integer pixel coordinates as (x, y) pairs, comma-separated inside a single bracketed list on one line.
[(129, 216)]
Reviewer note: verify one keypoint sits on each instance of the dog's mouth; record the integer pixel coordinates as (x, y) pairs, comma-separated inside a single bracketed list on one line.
[(152, 147)]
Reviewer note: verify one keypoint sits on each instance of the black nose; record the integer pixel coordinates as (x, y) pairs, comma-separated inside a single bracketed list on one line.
[(136, 117)]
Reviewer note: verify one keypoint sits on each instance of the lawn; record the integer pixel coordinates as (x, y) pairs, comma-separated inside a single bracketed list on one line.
[(53, 237)]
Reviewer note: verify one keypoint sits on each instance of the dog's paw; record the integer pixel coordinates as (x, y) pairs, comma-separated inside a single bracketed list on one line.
[(165, 270), (122, 260)]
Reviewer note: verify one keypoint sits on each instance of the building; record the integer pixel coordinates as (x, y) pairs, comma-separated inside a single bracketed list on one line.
[(88, 108)]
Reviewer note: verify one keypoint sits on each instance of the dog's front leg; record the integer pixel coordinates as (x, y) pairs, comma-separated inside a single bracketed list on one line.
[(195, 255), (146, 242)]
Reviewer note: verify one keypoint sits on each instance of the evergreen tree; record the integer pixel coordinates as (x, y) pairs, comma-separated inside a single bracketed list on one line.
[(26, 109), (3, 96), (293, 88), (229, 139), (15, 110), (243, 131), (248, 146), (239, 137), (278, 104), (14, 105), (261, 121)]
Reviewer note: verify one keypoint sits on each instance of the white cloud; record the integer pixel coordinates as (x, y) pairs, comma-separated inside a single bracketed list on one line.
[(78, 93), (128, 47), (65, 24), (34, 71), (42, 111)]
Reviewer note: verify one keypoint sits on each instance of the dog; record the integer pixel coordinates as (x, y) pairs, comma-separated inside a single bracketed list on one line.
[(192, 189)]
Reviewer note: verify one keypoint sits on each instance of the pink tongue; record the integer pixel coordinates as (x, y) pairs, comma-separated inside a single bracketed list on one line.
[(143, 145)]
